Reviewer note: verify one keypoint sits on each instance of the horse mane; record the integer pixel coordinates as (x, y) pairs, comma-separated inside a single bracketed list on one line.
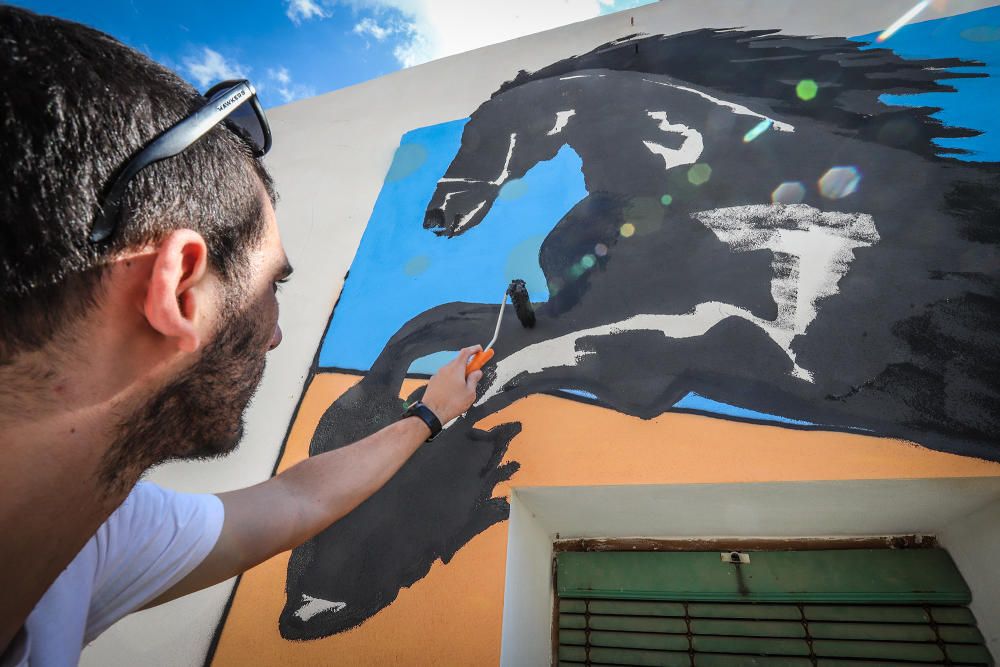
[(766, 65)]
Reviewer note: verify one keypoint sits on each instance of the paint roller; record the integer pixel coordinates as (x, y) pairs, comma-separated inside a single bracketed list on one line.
[(518, 294)]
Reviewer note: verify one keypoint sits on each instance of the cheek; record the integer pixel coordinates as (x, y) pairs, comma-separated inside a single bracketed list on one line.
[(262, 317)]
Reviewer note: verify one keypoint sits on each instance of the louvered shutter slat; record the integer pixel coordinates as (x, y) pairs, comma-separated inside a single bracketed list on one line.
[(861, 626)]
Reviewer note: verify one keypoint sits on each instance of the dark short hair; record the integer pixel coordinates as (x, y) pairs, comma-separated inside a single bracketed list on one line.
[(75, 105)]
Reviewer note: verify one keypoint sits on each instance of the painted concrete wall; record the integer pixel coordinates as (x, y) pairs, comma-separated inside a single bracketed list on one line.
[(973, 540), (961, 511), (331, 157)]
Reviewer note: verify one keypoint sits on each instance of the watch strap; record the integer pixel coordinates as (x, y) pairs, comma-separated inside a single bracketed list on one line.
[(426, 415)]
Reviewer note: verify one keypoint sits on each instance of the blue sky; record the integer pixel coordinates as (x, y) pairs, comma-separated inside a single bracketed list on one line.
[(292, 49)]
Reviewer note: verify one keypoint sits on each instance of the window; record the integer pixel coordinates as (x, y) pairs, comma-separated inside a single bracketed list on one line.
[(851, 607)]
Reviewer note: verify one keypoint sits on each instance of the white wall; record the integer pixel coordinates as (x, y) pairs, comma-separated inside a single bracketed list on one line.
[(528, 582), (964, 512), (329, 158), (974, 543)]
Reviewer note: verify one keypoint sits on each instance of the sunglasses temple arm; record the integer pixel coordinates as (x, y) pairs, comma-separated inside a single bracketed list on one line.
[(170, 143)]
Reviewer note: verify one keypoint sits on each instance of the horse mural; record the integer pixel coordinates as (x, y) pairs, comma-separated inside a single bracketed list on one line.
[(815, 259)]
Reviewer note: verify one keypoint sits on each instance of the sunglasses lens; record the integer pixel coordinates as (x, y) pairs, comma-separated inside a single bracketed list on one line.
[(245, 122)]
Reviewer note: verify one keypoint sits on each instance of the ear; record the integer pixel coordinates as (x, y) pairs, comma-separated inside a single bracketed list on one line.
[(178, 294)]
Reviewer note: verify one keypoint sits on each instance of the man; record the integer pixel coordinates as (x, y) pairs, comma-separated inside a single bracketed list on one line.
[(139, 266)]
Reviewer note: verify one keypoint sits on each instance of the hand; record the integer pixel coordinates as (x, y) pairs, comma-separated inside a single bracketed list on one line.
[(450, 393)]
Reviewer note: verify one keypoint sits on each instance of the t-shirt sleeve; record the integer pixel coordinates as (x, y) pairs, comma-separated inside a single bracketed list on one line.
[(155, 539)]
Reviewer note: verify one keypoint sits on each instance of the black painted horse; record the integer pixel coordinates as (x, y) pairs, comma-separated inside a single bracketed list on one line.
[(868, 304)]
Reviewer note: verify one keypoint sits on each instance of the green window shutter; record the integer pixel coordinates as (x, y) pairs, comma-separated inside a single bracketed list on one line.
[(853, 607)]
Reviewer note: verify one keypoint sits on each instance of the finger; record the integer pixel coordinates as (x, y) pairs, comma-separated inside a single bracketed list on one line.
[(473, 379), (462, 360), (469, 351)]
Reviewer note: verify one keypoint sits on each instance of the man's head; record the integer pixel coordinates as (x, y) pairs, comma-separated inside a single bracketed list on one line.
[(183, 290), (197, 412)]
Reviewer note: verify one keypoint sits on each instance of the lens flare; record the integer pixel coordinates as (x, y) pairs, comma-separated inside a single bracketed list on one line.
[(588, 261), (806, 89), (600, 250), (666, 200), (903, 20), (627, 230), (757, 130), (513, 189), (789, 192), (699, 173), (417, 265), (981, 33), (838, 182)]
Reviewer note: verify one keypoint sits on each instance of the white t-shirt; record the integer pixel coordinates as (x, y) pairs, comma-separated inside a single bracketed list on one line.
[(146, 546)]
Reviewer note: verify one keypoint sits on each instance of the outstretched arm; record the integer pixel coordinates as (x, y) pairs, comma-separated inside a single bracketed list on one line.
[(288, 509)]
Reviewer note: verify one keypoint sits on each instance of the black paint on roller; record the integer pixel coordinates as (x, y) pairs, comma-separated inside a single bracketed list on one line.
[(518, 292)]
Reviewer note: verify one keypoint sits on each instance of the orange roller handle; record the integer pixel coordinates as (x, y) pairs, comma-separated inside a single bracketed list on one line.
[(478, 360)]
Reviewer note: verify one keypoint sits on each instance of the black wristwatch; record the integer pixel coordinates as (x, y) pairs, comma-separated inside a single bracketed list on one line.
[(425, 414)]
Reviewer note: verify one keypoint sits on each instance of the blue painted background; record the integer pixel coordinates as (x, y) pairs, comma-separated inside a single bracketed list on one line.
[(402, 269), (975, 104)]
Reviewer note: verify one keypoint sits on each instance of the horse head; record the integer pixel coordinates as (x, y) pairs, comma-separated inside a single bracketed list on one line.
[(501, 142)]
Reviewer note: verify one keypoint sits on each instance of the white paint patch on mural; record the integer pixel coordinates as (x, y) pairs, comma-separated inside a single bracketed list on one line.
[(313, 606), (690, 150), (813, 250), (562, 117), (504, 173), (738, 109), (563, 351), (506, 165), (467, 217), (448, 196)]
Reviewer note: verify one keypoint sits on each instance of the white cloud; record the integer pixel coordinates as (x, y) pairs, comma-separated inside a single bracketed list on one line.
[(446, 27), (280, 75), (211, 67), (287, 89), (369, 26), (303, 10), (430, 29)]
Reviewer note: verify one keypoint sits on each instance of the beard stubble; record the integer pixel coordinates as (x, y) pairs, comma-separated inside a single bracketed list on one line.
[(198, 415)]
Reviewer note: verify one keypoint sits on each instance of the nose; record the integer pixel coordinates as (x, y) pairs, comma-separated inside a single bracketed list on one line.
[(275, 337)]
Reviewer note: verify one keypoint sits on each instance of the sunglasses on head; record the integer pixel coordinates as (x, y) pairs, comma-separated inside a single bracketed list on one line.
[(233, 102)]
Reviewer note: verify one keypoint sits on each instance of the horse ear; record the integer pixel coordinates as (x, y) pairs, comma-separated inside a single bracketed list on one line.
[(522, 76)]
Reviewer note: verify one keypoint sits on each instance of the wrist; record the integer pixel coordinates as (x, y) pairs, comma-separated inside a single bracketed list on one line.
[(426, 415), (419, 427), (436, 409)]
